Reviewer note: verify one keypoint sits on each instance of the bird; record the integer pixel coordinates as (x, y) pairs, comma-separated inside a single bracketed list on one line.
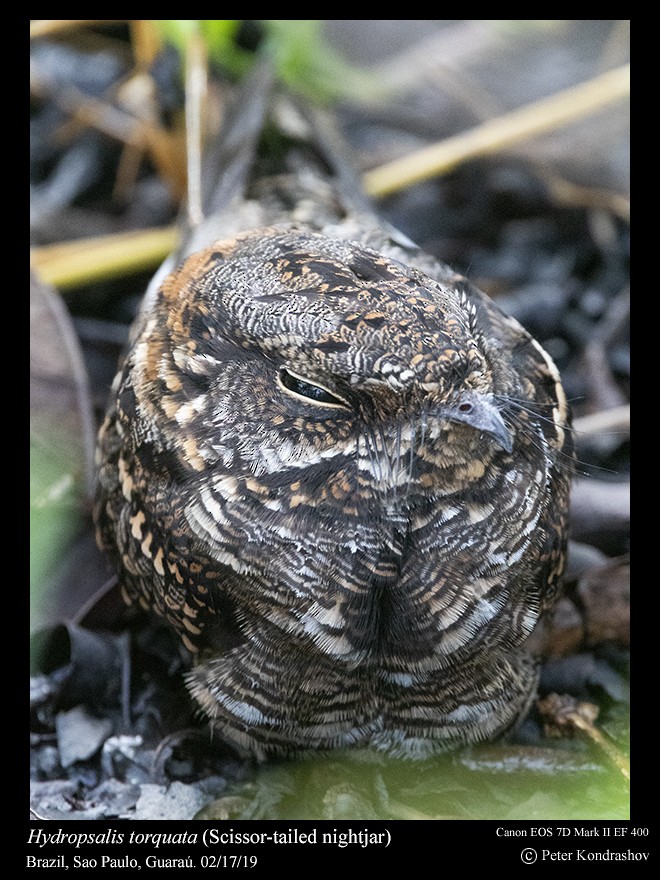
[(331, 464)]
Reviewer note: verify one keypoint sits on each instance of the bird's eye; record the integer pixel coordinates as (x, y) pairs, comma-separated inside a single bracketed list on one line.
[(310, 391)]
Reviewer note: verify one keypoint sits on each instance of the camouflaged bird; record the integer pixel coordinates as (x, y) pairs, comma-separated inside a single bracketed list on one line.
[(333, 466)]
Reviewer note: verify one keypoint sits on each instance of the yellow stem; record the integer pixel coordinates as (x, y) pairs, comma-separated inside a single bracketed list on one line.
[(196, 87), (43, 27), (498, 134), (79, 262), (591, 732), (73, 263), (145, 41)]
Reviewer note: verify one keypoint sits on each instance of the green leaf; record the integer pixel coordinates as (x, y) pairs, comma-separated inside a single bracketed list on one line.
[(493, 782), (219, 36), (303, 59)]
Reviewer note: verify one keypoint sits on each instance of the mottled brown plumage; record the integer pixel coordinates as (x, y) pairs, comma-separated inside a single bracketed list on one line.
[(336, 469)]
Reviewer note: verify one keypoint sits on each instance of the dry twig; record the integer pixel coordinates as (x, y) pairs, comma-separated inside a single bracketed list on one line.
[(73, 263), (501, 133), (566, 715)]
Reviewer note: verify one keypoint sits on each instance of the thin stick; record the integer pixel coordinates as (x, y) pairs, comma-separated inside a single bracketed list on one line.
[(498, 134), (564, 714), (591, 732), (605, 421), (196, 82), (73, 263), (43, 27), (145, 41)]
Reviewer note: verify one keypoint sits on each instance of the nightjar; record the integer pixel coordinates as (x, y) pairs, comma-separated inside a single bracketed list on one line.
[(332, 465)]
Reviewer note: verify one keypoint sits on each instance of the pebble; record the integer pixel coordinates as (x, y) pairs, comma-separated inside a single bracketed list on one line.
[(80, 735), (174, 801)]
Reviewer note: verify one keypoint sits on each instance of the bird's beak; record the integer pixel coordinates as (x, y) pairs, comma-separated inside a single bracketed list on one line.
[(480, 412)]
